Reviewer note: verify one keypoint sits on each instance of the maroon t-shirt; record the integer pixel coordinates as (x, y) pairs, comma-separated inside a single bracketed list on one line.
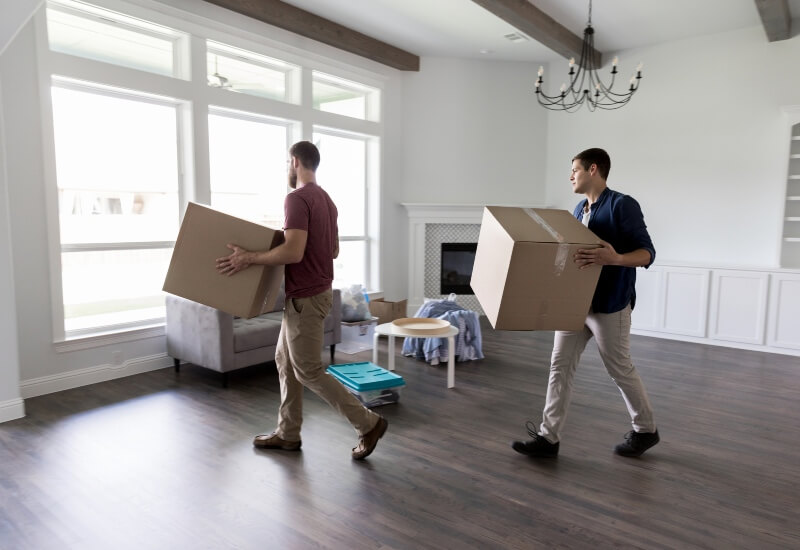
[(311, 209)]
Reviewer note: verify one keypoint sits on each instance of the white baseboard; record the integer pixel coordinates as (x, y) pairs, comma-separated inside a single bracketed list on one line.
[(92, 375), (12, 409), (720, 343)]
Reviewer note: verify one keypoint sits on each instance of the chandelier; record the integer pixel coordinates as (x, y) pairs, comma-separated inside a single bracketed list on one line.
[(585, 86)]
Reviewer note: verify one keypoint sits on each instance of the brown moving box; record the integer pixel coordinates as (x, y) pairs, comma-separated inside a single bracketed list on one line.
[(203, 237), (524, 275), (386, 312)]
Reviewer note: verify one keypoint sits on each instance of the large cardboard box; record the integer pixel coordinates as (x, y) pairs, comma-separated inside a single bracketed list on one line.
[(203, 237), (386, 312), (524, 275)]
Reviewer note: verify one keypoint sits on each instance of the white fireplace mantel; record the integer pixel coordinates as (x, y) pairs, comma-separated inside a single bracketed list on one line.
[(421, 214)]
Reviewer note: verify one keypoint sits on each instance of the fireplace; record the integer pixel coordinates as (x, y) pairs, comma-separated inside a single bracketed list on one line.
[(457, 260)]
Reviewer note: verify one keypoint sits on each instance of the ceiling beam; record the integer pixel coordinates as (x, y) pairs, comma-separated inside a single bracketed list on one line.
[(299, 21), (526, 17), (776, 19)]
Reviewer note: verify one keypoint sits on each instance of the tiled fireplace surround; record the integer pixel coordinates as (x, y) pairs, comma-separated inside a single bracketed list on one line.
[(429, 226)]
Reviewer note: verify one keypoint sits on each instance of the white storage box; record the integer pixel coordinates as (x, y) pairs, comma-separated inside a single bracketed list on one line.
[(357, 336)]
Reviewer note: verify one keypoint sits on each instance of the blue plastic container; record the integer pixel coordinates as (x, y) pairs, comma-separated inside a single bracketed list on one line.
[(371, 384)]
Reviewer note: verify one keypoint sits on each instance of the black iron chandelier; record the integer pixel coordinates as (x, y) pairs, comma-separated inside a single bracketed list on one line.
[(585, 86)]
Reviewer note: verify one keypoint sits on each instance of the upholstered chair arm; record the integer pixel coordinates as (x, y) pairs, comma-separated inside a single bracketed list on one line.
[(199, 334)]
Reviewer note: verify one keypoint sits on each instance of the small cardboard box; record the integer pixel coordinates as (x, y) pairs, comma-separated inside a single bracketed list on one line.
[(357, 336), (386, 311), (203, 237), (525, 277)]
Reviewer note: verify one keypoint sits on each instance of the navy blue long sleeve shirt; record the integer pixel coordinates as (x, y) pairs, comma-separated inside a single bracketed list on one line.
[(618, 220)]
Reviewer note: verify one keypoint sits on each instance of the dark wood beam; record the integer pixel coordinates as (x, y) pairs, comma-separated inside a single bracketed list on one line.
[(299, 21), (538, 25), (776, 19)]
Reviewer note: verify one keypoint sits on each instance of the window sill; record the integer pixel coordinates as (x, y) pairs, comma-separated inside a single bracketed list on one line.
[(106, 338)]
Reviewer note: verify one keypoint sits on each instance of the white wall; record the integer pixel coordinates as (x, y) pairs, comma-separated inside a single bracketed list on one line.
[(15, 14), (702, 145), (473, 133), (11, 405)]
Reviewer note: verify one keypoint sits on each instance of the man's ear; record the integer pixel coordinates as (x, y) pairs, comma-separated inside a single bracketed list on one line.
[(592, 169)]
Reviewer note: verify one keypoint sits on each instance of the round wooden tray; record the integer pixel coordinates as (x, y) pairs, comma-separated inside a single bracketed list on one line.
[(422, 325)]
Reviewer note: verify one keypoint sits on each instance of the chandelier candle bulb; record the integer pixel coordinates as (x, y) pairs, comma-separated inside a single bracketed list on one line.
[(541, 71), (616, 60)]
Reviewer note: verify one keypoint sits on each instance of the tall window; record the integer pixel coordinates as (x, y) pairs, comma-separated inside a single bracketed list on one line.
[(343, 174), (117, 177), (133, 143), (248, 165)]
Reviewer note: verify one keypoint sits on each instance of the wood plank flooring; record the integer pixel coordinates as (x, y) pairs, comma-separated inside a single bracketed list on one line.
[(160, 460)]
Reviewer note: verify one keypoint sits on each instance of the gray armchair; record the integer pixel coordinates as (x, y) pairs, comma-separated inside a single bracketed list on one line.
[(210, 338)]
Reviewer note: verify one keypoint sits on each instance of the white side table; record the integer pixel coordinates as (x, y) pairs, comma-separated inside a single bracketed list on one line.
[(391, 330)]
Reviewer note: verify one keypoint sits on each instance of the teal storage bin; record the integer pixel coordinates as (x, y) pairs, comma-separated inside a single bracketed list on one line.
[(371, 384)]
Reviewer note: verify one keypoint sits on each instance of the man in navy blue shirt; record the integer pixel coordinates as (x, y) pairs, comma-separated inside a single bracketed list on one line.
[(618, 221)]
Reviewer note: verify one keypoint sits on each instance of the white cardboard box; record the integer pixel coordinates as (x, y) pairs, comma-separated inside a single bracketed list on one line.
[(357, 336)]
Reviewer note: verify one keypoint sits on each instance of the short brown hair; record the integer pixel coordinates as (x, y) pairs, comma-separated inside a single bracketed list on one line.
[(595, 156), (307, 153)]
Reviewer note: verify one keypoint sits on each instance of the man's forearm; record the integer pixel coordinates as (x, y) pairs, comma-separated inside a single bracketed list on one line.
[(280, 255), (637, 258)]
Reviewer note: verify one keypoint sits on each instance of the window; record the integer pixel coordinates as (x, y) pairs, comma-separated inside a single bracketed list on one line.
[(343, 174), (248, 165), (133, 144), (117, 178), (79, 29), (246, 72), (344, 97)]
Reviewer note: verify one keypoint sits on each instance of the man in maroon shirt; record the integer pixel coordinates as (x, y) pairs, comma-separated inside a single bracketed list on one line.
[(311, 243)]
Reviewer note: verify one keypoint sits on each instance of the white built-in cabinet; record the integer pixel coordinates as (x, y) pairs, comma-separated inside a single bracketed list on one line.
[(746, 308)]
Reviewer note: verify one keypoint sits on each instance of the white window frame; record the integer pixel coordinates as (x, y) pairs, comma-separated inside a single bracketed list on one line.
[(197, 98)]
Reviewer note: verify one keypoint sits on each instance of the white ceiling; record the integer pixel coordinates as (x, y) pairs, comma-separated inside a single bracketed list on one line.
[(461, 28)]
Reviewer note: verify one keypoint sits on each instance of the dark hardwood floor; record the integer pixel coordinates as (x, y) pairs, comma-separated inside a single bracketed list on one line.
[(160, 460)]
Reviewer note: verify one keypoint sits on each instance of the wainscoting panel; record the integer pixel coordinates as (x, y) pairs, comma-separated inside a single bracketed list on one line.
[(784, 324), (649, 308), (685, 300), (738, 306)]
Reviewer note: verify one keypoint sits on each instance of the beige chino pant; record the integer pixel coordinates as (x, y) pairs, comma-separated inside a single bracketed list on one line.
[(298, 360), (612, 332)]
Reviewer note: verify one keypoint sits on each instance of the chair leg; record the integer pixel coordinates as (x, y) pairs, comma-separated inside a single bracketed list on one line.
[(177, 363), (333, 350)]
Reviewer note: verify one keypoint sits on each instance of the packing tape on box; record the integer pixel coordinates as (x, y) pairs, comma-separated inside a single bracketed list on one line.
[(562, 254)]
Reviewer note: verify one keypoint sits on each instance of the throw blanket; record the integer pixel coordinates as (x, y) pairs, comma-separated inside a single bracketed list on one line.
[(435, 350)]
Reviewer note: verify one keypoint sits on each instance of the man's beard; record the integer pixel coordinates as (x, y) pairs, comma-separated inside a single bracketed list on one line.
[(292, 179)]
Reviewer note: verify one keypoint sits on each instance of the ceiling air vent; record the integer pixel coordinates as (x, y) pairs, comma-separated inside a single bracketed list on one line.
[(515, 37)]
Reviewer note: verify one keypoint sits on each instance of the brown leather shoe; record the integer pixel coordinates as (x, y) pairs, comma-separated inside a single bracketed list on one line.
[(370, 439), (274, 441)]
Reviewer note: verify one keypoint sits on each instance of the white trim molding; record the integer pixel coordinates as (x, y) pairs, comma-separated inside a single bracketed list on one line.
[(92, 375), (11, 410)]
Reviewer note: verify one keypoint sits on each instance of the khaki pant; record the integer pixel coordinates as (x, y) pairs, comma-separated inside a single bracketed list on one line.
[(298, 360), (612, 332)]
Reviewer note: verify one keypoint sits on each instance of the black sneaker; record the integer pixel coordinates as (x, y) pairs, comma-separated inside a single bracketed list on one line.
[(636, 443), (538, 446)]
